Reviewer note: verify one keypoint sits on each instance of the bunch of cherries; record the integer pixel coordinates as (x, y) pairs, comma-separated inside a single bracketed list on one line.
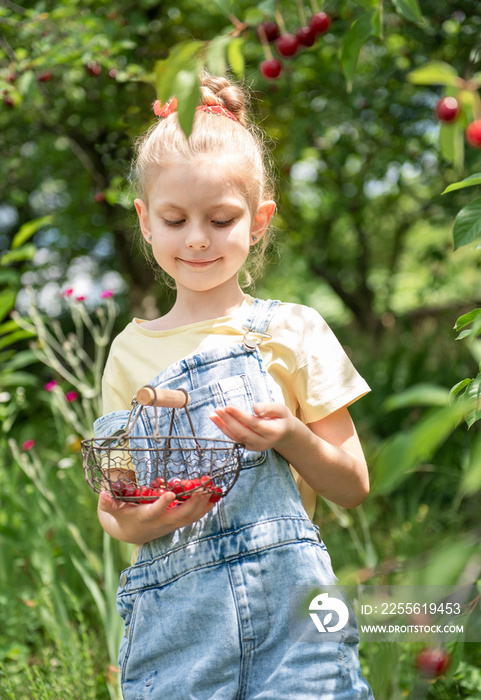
[(183, 488), (448, 111), (286, 43)]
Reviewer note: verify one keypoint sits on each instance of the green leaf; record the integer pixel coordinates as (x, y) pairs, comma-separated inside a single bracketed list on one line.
[(165, 72), (268, 7), (451, 143), (467, 182), (406, 450), (457, 387), (22, 359), (467, 225), (224, 6), (434, 73), (354, 40), (12, 338), (27, 252), (466, 319), (17, 379), (7, 302), (419, 395), (473, 392), (29, 229), (216, 54), (408, 9), (188, 95), (368, 3), (448, 561), (26, 82), (471, 481), (236, 57)]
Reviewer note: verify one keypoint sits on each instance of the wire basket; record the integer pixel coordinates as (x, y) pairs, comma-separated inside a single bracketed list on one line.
[(139, 469)]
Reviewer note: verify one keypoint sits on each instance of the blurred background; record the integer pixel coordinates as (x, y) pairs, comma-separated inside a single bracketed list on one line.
[(361, 154)]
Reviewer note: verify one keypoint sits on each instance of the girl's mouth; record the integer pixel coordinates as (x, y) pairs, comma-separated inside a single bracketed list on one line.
[(199, 263)]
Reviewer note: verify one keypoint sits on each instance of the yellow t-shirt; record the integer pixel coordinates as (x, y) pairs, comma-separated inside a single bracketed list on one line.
[(307, 367)]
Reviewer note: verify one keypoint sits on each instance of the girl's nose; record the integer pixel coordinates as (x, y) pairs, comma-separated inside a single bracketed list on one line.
[(197, 238)]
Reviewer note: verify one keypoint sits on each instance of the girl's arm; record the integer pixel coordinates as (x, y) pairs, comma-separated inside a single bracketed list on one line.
[(141, 523), (327, 454)]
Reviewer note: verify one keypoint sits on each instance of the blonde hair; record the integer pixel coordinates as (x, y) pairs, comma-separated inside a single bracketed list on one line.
[(215, 136)]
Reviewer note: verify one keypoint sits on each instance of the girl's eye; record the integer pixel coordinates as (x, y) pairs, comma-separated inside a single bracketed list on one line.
[(178, 222), (223, 223)]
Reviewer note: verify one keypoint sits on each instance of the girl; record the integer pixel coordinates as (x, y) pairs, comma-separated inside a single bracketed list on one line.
[(206, 601)]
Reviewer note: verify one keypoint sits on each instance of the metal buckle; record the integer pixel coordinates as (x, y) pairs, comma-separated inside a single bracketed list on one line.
[(251, 340)]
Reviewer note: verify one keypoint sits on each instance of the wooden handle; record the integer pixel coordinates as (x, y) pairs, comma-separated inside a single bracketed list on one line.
[(169, 398)]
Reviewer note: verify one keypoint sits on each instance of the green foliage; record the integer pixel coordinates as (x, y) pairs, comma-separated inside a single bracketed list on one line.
[(365, 237)]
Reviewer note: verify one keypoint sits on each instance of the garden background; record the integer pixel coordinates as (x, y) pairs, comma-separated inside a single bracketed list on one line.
[(365, 234)]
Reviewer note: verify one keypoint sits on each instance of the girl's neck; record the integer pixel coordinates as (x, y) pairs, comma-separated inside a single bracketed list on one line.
[(198, 307)]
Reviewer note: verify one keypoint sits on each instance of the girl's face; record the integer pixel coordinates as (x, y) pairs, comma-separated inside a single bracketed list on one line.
[(200, 225)]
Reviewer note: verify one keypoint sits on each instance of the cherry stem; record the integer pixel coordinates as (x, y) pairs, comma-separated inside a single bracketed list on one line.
[(239, 26), (265, 43), (301, 12), (280, 20), (315, 7)]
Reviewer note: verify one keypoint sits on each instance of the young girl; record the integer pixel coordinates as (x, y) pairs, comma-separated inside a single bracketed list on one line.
[(206, 601)]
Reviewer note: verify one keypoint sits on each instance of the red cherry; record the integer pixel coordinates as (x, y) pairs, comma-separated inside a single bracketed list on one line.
[(216, 495), (113, 73), (433, 662), (175, 485), (118, 488), (188, 484), (158, 483), (271, 68), (473, 134), (320, 22), (8, 101), (287, 45), (157, 492), (447, 109), (94, 68), (44, 77), (306, 36), (268, 29), (99, 197)]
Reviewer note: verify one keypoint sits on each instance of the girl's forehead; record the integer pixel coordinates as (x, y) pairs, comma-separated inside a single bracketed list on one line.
[(203, 180)]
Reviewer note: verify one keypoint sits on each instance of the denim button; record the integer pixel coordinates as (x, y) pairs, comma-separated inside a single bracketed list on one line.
[(123, 580)]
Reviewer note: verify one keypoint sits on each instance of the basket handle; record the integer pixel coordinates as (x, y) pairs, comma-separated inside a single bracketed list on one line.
[(169, 398)]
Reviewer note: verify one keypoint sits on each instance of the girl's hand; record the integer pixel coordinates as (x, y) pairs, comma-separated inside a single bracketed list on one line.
[(143, 522), (272, 425), (327, 454)]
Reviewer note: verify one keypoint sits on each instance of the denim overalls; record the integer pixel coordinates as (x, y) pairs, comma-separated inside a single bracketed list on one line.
[(206, 608)]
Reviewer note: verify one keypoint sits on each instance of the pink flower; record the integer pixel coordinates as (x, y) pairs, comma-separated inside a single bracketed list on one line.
[(81, 298), (71, 396), (27, 445), (50, 386), (67, 292), (106, 294)]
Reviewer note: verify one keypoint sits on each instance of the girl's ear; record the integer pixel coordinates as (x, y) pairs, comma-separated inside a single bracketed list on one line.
[(143, 214), (261, 220)]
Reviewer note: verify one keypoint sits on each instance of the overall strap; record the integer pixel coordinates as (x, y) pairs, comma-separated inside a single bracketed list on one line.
[(260, 313), (257, 322)]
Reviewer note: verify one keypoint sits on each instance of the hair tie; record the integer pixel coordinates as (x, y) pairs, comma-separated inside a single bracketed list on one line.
[(217, 109), (170, 107)]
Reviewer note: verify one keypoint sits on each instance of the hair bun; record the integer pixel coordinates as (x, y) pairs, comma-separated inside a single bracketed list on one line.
[(217, 90)]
